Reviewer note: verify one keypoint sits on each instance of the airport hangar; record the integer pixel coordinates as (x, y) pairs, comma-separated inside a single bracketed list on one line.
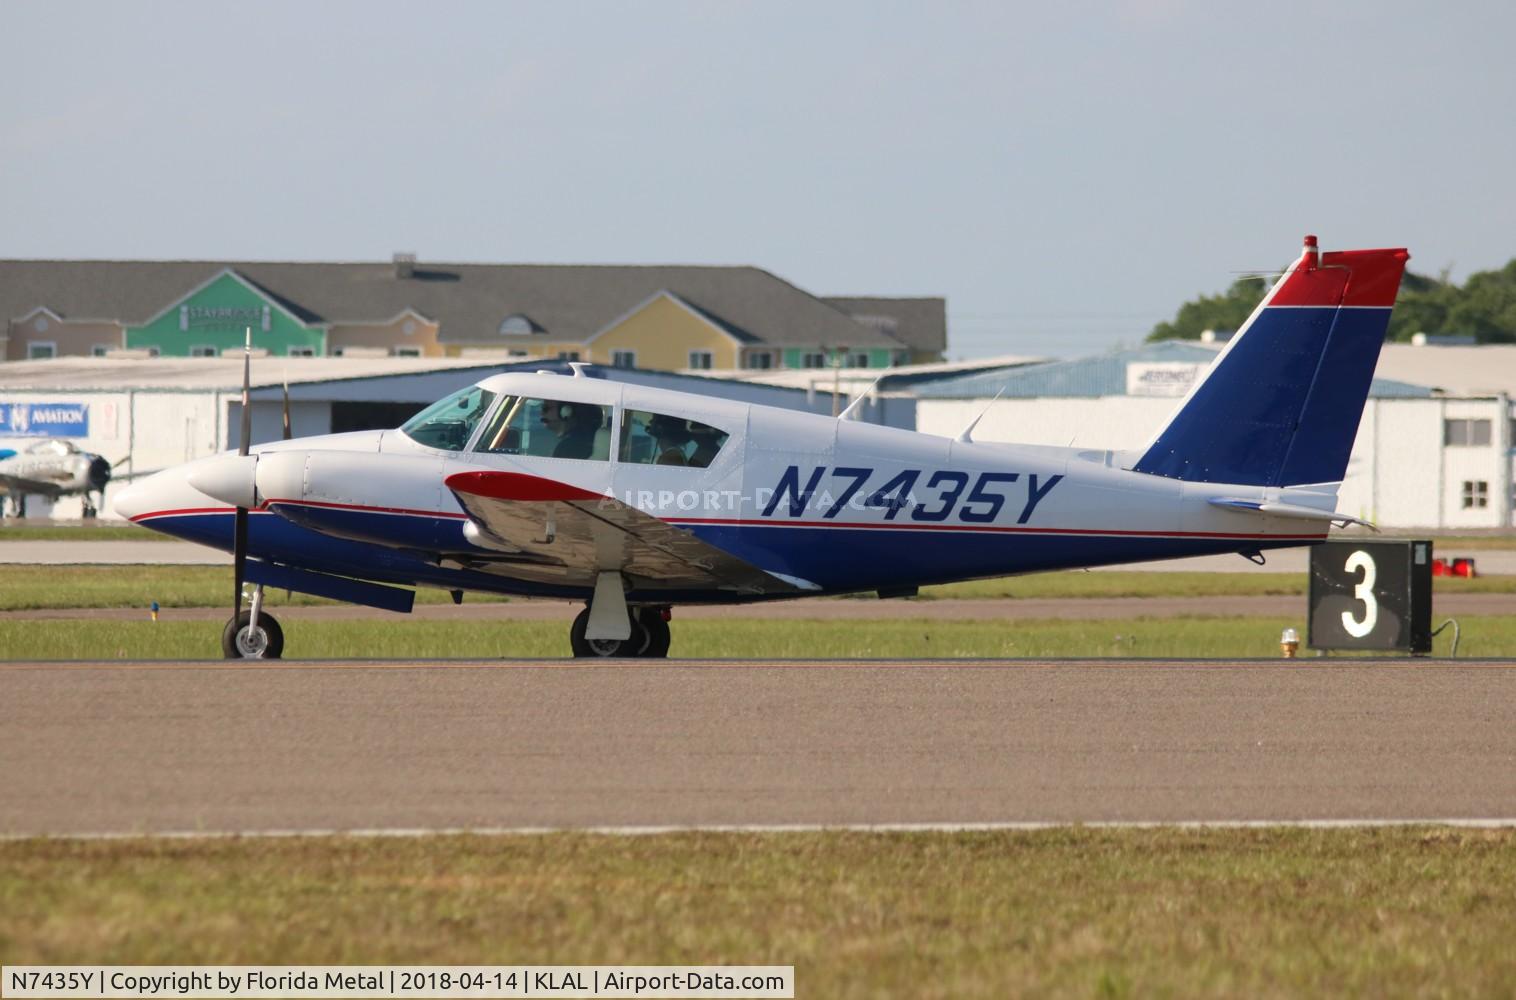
[(145, 414), (1435, 448)]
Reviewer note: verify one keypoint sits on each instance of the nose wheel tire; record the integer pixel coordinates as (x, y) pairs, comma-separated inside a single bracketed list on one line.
[(649, 638), (240, 642)]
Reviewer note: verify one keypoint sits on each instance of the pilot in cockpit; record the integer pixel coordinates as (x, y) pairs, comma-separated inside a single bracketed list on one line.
[(574, 425)]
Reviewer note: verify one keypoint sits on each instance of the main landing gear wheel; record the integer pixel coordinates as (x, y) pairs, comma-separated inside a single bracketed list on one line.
[(649, 638), (240, 642), (658, 634)]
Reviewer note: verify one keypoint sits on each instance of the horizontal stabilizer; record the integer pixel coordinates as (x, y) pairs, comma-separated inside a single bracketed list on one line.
[(1294, 510)]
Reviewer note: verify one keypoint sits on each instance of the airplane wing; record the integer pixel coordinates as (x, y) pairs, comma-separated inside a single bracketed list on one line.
[(32, 487), (544, 526)]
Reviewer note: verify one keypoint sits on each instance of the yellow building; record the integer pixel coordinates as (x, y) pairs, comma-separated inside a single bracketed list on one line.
[(663, 317)]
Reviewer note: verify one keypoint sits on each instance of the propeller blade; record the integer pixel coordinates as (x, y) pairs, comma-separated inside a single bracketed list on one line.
[(287, 434), (247, 378)]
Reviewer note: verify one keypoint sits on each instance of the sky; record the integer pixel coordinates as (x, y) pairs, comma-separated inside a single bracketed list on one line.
[(1065, 175)]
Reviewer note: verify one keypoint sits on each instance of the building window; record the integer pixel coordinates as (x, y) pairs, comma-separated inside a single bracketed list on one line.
[(101, 350), (42, 349), (1473, 433), (700, 360), (758, 359), (203, 351), (858, 360), (813, 359), (1476, 493), (568, 355), (301, 352), (407, 352), (623, 359), (515, 324)]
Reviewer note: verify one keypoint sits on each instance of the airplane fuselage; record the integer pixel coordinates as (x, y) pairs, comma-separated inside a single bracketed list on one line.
[(837, 505)]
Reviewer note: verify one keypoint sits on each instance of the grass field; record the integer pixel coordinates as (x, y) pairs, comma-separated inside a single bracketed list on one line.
[(1067, 912), (24, 587), (916, 637), (27, 587), (74, 531)]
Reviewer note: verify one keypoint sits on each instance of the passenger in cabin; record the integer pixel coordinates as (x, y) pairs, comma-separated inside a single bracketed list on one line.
[(708, 441), (673, 437), (574, 425)]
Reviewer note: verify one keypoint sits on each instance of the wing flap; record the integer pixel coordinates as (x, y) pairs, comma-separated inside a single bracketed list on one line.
[(545, 528)]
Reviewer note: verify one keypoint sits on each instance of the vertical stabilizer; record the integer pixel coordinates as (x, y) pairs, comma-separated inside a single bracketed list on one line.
[(1281, 404)]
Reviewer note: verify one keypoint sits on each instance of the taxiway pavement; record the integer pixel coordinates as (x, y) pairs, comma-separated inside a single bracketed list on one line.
[(212, 747)]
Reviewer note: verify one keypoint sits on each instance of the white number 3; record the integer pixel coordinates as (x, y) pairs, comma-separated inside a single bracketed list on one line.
[(1363, 591)]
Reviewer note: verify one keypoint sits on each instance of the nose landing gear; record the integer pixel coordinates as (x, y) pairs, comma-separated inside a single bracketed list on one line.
[(253, 634)]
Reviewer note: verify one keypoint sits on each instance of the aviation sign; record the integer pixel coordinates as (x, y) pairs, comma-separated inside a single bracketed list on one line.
[(1371, 595), (45, 419)]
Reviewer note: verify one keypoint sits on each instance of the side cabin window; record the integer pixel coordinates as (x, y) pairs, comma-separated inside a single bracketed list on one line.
[(659, 439), (549, 428), (450, 422)]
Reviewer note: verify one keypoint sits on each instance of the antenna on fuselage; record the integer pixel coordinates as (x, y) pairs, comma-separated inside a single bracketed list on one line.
[(579, 367), (967, 434), (858, 399)]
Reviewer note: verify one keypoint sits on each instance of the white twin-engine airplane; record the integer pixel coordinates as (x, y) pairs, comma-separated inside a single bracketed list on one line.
[(634, 499)]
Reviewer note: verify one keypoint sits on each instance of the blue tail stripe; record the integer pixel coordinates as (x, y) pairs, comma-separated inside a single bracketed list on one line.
[(1256, 420), (1329, 420)]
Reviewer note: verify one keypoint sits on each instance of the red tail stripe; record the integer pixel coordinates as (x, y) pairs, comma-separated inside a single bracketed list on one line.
[(1371, 277)]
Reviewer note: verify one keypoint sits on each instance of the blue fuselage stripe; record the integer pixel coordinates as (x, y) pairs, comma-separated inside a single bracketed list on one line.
[(837, 557)]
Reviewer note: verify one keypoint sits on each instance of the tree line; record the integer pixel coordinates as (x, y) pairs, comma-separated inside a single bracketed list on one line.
[(1483, 307)]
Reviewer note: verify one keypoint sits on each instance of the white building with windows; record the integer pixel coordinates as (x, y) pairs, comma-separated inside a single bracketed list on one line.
[(1434, 448), (144, 414)]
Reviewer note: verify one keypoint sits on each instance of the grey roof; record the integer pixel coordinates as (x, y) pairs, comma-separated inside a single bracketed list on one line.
[(222, 374), (919, 322), (1101, 375), (569, 302)]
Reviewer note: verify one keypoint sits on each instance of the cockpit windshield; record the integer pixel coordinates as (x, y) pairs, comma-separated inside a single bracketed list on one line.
[(450, 422)]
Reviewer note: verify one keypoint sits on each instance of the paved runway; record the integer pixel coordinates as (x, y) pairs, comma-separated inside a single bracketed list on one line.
[(214, 747)]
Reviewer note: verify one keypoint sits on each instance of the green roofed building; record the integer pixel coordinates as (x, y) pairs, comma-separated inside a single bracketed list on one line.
[(657, 317), (216, 317)]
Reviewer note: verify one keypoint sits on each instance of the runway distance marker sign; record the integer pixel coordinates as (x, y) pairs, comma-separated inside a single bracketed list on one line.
[(1371, 595)]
